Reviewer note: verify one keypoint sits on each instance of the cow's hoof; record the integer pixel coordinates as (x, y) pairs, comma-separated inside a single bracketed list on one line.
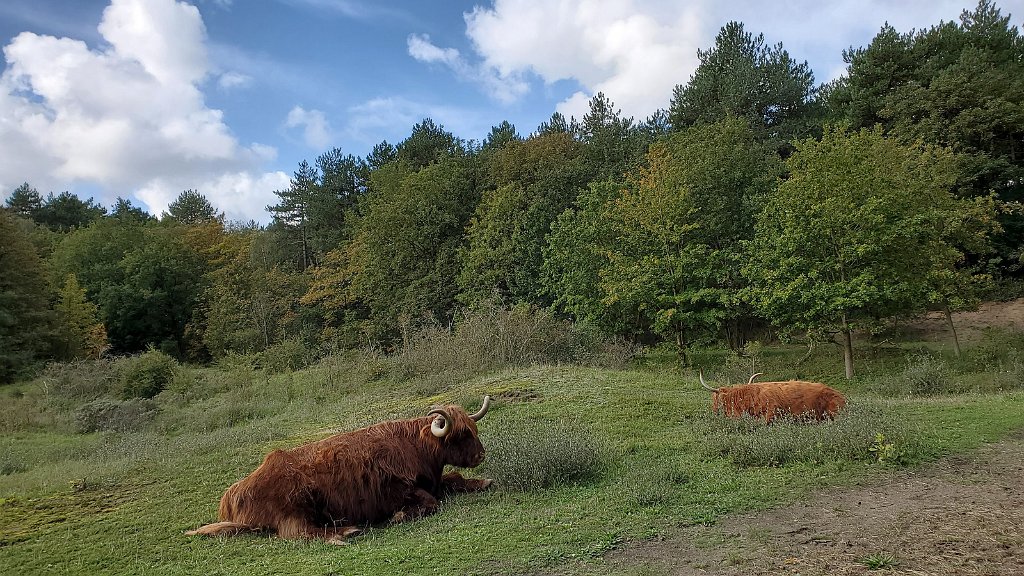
[(351, 532), (486, 483)]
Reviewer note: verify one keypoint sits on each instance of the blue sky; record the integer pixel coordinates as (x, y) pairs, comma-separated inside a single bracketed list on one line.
[(146, 98)]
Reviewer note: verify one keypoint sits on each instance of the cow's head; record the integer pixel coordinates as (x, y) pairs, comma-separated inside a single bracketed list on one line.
[(456, 433)]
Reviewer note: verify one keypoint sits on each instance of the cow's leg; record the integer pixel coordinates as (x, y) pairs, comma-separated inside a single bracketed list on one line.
[(299, 527), (453, 482), (418, 503)]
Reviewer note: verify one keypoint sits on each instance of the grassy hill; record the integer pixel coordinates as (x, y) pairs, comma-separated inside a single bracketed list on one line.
[(585, 459)]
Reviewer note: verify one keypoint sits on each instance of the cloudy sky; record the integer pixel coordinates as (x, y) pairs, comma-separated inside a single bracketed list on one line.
[(146, 98)]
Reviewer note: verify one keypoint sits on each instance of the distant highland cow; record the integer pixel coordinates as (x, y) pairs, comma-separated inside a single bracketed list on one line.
[(327, 489), (771, 399)]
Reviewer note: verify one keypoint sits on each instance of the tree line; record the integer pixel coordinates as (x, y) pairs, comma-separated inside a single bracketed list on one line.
[(757, 199)]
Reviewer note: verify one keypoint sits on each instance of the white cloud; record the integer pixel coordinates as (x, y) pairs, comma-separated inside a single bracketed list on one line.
[(637, 51), (315, 131), (503, 86), (423, 50), (125, 118), (241, 195), (232, 80)]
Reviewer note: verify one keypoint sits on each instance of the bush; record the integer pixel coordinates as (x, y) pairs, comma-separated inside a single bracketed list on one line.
[(145, 375), (861, 432), (491, 337), (542, 454), (286, 356), (113, 415), (926, 374), (80, 379)]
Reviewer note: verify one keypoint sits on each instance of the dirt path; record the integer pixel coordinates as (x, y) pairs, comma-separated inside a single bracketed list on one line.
[(971, 326), (961, 516)]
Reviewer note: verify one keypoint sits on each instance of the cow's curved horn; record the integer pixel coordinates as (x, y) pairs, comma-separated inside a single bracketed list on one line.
[(441, 425), (483, 409), (700, 373), (754, 375)]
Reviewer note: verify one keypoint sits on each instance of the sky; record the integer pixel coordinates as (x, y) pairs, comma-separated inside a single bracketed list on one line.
[(143, 99)]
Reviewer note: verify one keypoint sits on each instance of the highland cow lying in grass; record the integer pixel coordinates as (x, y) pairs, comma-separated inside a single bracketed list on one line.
[(771, 399), (327, 489)]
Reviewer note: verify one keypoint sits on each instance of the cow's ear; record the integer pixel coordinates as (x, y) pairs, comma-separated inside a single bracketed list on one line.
[(441, 425)]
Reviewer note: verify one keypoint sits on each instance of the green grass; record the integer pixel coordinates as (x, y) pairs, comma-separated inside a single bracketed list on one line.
[(627, 455)]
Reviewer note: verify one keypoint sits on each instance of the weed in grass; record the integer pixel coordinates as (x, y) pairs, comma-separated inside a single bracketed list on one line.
[(539, 454), (880, 561), (926, 374), (120, 416)]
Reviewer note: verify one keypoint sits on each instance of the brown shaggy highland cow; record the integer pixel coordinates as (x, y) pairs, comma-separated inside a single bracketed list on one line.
[(327, 489), (771, 399)]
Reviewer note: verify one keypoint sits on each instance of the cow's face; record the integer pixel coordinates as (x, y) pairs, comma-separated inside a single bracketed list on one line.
[(457, 433), (463, 447)]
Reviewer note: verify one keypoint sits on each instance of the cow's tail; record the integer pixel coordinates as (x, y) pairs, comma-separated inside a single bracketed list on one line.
[(223, 529)]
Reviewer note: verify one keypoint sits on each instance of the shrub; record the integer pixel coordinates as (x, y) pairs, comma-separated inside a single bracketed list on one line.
[(542, 454), (80, 379), (145, 375), (491, 337), (114, 415), (927, 374), (997, 349), (286, 356), (866, 432)]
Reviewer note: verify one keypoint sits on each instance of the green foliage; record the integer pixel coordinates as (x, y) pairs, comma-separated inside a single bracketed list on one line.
[(285, 356), (25, 201), (146, 279), (680, 225), (537, 454), (955, 84), (574, 257), (104, 414), (490, 338), (82, 335), (855, 234), (66, 211), (883, 450), (191, 208), (613, 145), (535, 180), (251, 300), (27, 325), (145, 375), (742, 76), (410, 233)]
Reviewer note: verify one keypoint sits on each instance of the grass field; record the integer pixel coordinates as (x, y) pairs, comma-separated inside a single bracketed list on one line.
[(584, 459)]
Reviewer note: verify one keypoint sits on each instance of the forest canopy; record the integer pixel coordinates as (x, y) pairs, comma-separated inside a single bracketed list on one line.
[(756, 200)]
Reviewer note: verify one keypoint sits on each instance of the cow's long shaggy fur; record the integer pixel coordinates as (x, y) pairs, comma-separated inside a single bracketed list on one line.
[(771, 399), (326, 489)]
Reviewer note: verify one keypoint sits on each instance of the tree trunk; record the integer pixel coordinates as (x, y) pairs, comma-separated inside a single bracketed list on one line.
[(952, 329), (847, 347), (681, 347)]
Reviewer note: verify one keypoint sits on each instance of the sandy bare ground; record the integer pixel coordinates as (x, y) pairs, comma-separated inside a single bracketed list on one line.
[(970, 325), (961, 516)]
